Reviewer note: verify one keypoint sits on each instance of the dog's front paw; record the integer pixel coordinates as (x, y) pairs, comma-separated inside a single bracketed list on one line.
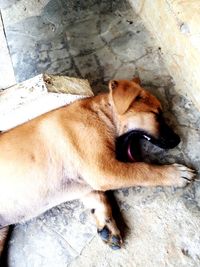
[(180, 175)]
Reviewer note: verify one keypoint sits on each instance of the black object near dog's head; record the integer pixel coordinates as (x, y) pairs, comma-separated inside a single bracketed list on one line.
[(128, 147), (128, 144)]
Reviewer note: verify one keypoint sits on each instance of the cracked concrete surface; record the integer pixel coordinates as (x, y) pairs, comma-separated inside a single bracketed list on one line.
[(6, 68), (97, 40), (102, 40)]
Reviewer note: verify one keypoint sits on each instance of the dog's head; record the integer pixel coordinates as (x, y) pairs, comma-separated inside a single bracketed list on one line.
[(139, 112)]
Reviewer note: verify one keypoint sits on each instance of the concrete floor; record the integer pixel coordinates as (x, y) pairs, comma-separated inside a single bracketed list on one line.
[(101, 40)]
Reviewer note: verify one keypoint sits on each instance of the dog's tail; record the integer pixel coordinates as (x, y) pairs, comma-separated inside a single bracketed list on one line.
[(3, 237)]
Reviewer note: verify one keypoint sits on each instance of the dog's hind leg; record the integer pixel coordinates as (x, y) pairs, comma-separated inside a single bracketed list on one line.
[(3, 236), (101, 209)]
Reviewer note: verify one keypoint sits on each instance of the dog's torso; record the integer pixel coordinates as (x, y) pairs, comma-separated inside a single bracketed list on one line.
[(46, 161)]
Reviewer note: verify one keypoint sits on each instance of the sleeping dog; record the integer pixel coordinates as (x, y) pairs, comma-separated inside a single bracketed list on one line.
[(69, 153)]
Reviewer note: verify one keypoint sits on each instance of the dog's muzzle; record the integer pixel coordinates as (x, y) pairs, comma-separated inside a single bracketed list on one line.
[(167, 138)]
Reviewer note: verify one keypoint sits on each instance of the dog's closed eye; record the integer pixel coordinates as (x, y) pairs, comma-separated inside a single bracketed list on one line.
[(138, 98)]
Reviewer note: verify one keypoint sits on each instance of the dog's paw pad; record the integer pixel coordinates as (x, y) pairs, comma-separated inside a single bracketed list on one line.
[(116, 240), (104, 233), (115, 247)]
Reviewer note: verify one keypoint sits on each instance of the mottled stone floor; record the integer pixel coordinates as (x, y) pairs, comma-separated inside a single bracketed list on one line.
[(97, 40), (100, 40)]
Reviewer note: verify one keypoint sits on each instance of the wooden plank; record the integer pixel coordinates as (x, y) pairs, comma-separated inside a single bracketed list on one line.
[(38, 95)]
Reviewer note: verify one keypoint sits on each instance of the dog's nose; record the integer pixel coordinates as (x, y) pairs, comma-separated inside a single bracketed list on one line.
[(168, 138), (173, 141)]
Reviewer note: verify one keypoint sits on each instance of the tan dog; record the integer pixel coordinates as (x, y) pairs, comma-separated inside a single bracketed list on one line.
[(69, 153)]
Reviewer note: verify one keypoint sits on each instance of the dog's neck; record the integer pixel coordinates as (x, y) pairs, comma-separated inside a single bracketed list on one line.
[(104, 106)]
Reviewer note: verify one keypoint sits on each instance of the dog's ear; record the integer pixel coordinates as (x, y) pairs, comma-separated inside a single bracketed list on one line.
[(123, 94), (136, 80)]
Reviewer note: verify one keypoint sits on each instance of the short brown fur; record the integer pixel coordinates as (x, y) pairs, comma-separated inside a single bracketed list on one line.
[(69, 153)]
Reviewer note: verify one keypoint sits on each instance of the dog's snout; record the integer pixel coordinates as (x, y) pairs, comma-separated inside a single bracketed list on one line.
[(169, 142), (167, 137)]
